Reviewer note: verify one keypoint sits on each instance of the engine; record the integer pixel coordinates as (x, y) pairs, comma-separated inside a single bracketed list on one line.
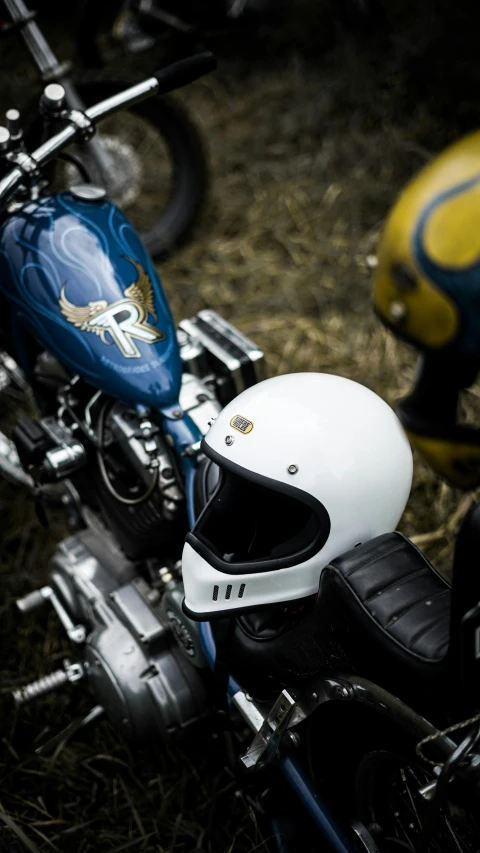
[(138, 671), (116, 584)]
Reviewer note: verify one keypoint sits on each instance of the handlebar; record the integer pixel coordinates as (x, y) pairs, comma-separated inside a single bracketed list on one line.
[(167, 80)]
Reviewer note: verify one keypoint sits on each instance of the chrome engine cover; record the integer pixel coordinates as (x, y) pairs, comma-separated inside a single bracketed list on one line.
[(133, 664)]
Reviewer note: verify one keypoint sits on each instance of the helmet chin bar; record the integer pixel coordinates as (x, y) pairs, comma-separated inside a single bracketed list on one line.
[(213, 594)]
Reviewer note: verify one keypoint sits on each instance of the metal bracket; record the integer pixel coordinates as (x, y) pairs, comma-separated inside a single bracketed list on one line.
[(291, 708), (83, 124), (270, 730)]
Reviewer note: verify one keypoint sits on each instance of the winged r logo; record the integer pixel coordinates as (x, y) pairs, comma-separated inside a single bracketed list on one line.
[(124, 320)]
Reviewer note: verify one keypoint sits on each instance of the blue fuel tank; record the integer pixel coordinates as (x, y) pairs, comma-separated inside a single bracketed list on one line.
[(80, 281)]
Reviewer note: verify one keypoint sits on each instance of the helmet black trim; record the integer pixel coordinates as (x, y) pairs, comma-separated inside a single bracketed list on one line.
[(303, 520)]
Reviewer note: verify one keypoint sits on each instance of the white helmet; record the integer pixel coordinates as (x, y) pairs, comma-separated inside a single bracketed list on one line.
[(310, 465)]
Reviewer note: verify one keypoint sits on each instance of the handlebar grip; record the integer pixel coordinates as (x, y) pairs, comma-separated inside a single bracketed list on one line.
[(185, 71)]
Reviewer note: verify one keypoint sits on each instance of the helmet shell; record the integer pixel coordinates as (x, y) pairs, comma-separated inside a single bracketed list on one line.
[(332, 439), (427, 282)]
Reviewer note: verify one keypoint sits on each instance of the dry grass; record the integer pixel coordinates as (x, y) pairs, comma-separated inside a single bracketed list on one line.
[(310, 138)]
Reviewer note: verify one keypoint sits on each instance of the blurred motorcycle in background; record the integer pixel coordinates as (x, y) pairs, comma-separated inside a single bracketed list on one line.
[(151, 159)]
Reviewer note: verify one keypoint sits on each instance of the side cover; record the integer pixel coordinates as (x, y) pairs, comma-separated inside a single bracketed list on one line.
[(80, 281)]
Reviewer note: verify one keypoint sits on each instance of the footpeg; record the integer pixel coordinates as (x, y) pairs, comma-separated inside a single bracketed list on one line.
[(70, 674)]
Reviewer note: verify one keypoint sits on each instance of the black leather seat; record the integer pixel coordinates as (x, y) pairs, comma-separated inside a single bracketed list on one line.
[(382, 611), (395, 607)]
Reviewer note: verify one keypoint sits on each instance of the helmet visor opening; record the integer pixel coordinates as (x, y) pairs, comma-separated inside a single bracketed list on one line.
[(246, 522)]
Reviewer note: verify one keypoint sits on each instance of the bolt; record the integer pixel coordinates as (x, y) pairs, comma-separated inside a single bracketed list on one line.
[(177, 413), (229, 439), (397, 311), (315, 696), (292, 469), (167, 473), (4, 140)]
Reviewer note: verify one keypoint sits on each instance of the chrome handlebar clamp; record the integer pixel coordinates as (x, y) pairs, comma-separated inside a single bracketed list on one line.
[(25, 162), (82, 123)]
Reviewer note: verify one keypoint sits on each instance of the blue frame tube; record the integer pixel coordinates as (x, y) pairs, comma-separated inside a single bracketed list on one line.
[(317, 809), (290, 768), (298, 780)]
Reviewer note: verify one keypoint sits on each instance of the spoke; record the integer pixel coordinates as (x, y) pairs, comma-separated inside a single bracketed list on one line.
[(454, 835), (404, 777), (426, 777)]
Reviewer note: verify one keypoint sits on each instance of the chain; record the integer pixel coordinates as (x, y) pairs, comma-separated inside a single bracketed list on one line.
[(455, 728)]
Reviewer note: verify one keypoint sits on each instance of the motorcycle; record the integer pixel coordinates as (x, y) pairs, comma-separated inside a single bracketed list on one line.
[(332, 690), (139, 26), (164, 188)]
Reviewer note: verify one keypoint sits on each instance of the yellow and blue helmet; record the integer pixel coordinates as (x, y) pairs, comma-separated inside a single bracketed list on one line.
[(427, 291)]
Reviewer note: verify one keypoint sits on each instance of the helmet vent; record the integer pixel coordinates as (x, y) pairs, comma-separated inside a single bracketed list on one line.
[(241, 590), (228, 591), (215, 592)]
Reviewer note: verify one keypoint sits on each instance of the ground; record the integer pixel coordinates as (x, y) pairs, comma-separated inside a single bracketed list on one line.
[(312, 128)]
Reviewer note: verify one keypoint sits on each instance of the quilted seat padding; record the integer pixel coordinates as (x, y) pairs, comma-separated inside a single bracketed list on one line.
[(388, 587)]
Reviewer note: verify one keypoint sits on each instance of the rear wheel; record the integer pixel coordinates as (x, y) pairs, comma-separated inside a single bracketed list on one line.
[(391, 805)]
